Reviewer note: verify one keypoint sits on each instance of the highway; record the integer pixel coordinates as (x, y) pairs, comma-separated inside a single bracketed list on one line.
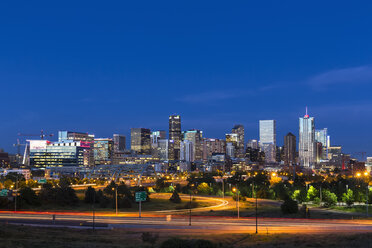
[(180, 224)]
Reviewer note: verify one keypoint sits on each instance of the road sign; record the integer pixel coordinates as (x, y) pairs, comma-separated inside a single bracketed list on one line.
[(4, 192), (141, 196), (42, 180)]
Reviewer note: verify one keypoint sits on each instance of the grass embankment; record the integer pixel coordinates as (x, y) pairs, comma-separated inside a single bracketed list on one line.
[(34, 237)]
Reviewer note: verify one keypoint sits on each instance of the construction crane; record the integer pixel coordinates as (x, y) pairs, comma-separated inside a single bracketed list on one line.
[(18, 145), (42, 135)]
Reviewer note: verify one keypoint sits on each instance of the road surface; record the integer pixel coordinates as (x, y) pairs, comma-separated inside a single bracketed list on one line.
[(180, 224)]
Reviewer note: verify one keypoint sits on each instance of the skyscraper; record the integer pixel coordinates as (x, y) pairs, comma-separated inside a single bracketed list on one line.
[(252, 144), (196, 137), (140, 141), (231, 144), (239, 130), (103, 151), (211, 146), (187, 151), (290, 149), (321, 135), (268, 139), (156, 135), (175, 134), (306, 148), (119, 143)]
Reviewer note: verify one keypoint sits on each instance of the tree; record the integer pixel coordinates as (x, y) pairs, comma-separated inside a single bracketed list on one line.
[(29, 197), (90, 195), (348, 197), (175, 198), (329, 198), (312, 193), (124, 191), (300, 195), (289, 206), (204, 189)]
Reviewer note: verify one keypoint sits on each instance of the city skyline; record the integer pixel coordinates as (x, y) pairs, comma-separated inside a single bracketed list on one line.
[(227, 64)]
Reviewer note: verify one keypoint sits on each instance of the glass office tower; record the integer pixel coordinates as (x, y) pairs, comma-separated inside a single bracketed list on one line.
[(306, 148), (268, 139)]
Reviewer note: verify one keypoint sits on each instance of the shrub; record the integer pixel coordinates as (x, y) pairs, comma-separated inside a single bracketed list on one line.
[(289, 206), (329, 198), (300, 195)]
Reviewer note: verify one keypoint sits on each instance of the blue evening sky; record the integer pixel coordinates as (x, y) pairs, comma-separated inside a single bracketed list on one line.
[(106, 66)]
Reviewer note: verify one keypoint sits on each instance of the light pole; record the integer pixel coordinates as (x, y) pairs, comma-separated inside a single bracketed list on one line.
[(94, 201), (16, 191), (116, 199), (235, 190), (255, 194), (192, 185)]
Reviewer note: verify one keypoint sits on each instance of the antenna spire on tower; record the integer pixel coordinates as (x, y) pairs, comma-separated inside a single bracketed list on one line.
[(306, 115)]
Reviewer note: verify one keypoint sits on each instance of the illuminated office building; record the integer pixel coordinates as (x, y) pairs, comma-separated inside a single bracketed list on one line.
[(86, 140), (211, 146), (156, 135), (196, 137), (119, 143), (175, 134), (232, 139), (239, 130), (140, 140), (103, 151), (268, 139), (290, 152), (322, 136), (58, 154), (187, 151), (253, 144), (306, 148)]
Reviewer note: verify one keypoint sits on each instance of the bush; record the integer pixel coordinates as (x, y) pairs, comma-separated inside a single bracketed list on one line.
[(329, 198), (175, 198), (289, 206)]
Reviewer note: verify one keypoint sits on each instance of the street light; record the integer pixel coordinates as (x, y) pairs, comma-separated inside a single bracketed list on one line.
[(235, 190), (191, 186), (116, 199)]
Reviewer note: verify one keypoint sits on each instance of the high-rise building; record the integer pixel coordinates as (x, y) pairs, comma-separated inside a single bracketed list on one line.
[(322, 136), (239, 130), (268, 139), (163, 149), (290, 144), (44, 153), (140, 140), (187, 151), (306, 148), (175, 134), (253, 144), (156, 135), (196, 137), (103, 151), (232, 139), (119, 143), (86, 141), (211, 146)]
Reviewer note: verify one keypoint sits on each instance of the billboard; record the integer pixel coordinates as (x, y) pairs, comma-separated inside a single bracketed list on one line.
[(38, 144)]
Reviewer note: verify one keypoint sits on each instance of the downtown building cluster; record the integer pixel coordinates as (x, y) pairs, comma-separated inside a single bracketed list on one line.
[(185, 150)]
